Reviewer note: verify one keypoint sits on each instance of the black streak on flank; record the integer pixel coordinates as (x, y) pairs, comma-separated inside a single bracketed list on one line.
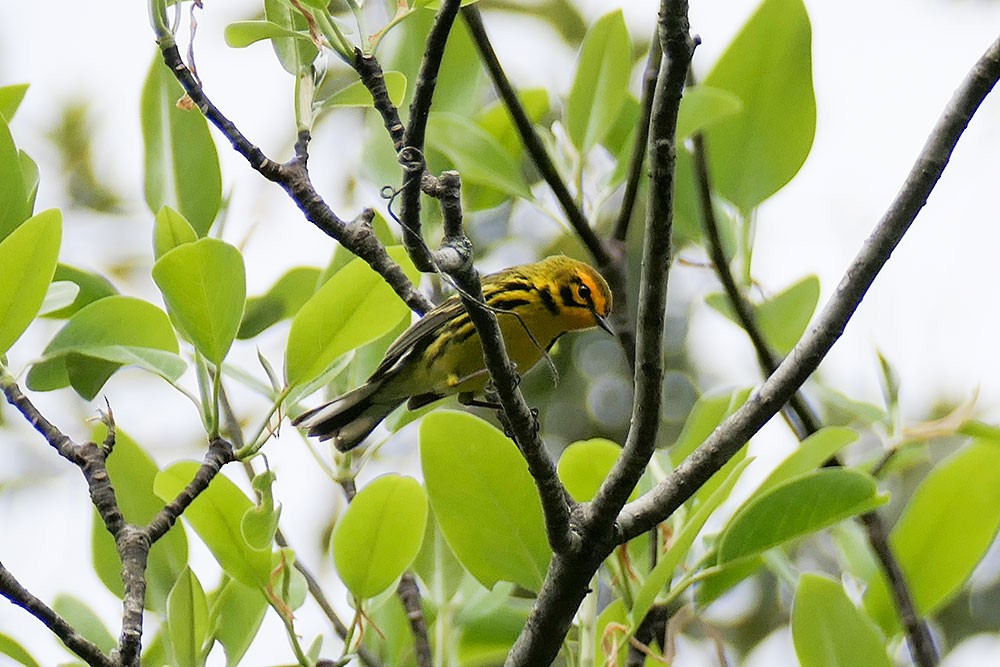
[(509, 302)]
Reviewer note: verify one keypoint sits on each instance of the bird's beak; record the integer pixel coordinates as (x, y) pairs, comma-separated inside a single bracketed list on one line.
[(603, 323)]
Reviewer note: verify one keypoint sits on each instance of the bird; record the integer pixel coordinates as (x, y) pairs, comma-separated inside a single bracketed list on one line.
[(441, 354)]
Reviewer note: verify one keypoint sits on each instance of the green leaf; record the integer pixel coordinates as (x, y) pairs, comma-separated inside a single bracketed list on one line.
[(237, 610), (944, 531), (461, 72), (380, 534), (216, 516), (204, 286), (611, 636), (93, 345), (708, 412), (92, 287), (28, 257), (797, 507), (286, 581), (601, 81), (812, 453), (15, 195), (10, 99), (475, 153), (394, 641), (783, 318), (85, 621), (584, 465), (620, 137), (357, 95), (242, 34), (31, 177), (260, 523), (132, 471), (155, 649), (437, 566), (720, 579), (484, 499), (829, 631), (769, 67), (171, 230), (15, 651), (354, 307), (181, 161), (663, 572), (702, 107), (496, 119), (294, 54), (490, 620), (59, 296), (187, 620), (283, 300)]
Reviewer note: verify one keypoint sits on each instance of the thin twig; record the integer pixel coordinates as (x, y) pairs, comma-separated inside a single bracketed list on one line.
[(918, 634), (411, 156), (800, 417), (721, 445), (220, 452), (532, 142), (409, 594), (370, 71), (293, 176), (635, 172), (11, 589), (56, 438)]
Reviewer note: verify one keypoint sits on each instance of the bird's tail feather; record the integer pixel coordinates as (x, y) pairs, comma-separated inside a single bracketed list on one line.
[(349, 419)]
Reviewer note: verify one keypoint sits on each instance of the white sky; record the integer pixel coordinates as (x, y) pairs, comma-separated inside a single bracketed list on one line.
[(883, 72)]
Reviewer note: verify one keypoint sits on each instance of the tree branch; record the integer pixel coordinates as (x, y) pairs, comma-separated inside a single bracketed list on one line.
[(678, 48), (802, 419), (918, 635), (411, 156), (56, 438), (567, 580), (409, 595), (455, 259), (11, 589), (635, 172), (718, 448), (370, 71), (220, 452), (800, 416), (293, 176)]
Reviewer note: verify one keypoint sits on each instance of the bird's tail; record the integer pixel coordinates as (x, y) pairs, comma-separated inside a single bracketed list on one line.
[(349, 419)]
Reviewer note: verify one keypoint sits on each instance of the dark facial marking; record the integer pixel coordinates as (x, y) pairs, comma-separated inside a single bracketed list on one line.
[(567, 296), (548, 300)]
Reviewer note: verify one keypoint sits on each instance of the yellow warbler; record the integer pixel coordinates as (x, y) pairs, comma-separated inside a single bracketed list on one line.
[(441, 353)]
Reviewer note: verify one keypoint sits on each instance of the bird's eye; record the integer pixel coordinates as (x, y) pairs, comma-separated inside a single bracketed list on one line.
[(584, 292)]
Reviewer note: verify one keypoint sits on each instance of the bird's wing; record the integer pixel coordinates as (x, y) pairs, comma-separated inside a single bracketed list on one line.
[(416, 339)]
